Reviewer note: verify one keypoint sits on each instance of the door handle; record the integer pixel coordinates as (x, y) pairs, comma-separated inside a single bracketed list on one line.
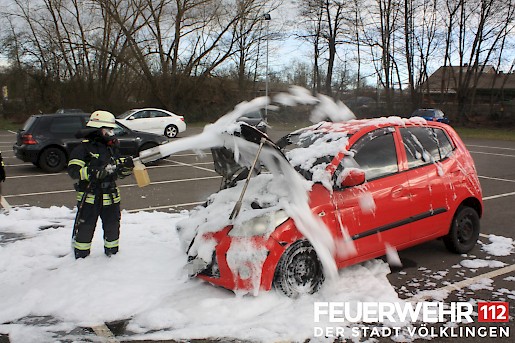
[(400, 192)]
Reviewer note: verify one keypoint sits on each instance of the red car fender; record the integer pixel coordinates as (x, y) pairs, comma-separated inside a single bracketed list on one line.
[(282, 237)]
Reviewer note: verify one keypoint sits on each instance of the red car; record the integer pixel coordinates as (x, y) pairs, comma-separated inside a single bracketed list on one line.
[(374, 183)]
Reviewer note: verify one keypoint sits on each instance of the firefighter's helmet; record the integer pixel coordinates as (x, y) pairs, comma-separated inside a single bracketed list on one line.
[(100, 119)]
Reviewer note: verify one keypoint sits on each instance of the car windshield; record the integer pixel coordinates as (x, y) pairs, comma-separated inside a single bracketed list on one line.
[(125, 115), (310, 151)]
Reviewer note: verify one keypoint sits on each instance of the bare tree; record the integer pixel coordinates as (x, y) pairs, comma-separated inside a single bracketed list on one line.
[(480, 27), (380, 35)]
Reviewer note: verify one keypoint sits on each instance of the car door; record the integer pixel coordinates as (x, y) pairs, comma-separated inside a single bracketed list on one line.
[(139, 121), (375, 213), (160, 120), (129, 142), (62, 130), (429, 169)]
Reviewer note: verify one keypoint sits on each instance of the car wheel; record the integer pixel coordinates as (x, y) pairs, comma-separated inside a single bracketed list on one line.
[(52, 160), (299, 270), (171, 131), (464, 232)]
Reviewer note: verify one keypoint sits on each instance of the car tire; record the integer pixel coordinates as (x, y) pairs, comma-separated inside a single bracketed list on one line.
[(52, 160), (171, 131), (464, 232), (299, 270)]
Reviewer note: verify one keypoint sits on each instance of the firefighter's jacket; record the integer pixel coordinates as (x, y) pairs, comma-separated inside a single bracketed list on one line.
[(92, 153)]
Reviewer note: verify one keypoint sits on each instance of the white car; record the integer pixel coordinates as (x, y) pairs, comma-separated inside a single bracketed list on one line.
[(153, 120)]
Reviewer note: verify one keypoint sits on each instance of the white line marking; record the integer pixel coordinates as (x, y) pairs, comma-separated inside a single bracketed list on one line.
[(499, 196), (121, 186), (467, 282), (151, 208), (104, 332), (490, 147), (151, 167), (191, 165), (490, 153), (495, 178)]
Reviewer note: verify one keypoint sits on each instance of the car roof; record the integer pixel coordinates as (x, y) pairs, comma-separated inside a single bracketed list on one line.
[(353, 126), (54, 115)]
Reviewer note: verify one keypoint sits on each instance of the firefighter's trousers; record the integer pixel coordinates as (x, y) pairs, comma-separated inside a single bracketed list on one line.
[(87, 221)]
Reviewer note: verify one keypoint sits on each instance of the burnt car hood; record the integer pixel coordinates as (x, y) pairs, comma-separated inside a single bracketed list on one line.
[(232, 169)]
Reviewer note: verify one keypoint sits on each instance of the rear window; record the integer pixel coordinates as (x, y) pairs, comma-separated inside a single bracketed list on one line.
[(65, 125), (158, 114), (28, 124)]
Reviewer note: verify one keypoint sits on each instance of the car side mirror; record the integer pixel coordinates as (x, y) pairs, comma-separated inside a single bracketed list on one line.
[(353, 178), (130, 118)]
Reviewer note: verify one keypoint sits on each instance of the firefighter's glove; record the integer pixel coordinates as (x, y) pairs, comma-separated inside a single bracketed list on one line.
[(97, 173), (126, 162), (124, 166)]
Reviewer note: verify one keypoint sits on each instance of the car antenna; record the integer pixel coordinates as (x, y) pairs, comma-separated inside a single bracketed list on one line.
[(237, 206)]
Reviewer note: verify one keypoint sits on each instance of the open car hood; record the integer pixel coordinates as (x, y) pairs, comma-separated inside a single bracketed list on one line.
[(229, 166)]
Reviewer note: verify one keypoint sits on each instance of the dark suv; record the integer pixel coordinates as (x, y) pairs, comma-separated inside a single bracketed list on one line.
[(46, 140)]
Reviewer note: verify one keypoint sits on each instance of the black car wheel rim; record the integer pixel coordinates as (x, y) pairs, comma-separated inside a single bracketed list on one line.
[(465, 229), (303, 270), (53, 159)]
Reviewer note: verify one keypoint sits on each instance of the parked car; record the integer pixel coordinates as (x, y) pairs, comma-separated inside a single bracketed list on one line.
[(431, 114), (153, 120), (256, 119), (375, 184), (46, 140), (69, 110)]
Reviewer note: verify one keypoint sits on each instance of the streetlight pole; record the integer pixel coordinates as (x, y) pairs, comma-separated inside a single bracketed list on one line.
[(267, 17)]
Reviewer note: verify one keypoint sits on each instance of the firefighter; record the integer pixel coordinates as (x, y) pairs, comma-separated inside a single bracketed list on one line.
[(96, 164)]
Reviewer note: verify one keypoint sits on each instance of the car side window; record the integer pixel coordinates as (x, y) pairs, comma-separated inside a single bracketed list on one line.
[(446, 147), (65, 125), (375, 153), (425, 145), (158, 114), (141, 114)]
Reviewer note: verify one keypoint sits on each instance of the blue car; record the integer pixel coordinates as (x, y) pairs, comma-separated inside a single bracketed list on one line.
[(431, 114)]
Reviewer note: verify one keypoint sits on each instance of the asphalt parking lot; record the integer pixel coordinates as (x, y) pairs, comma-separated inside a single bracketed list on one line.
[(184, 180)]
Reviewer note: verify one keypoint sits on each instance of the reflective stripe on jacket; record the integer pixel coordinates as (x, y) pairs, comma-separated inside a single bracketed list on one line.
[(107, 198)]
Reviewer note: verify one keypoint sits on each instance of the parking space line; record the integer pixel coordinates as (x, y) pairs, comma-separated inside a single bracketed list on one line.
[(489, 147), (104, 332), (121, 186), (191, 165), (464, 283), (495, 178), (151, 208), (64, 173), (499, 196), (490, 153)]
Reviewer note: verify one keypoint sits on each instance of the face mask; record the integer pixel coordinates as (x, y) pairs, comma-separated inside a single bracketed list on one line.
[(109, 137), (107, 133)]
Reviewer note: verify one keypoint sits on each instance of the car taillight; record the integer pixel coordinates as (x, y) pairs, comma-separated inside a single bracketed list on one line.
[(27, 139), (181, 118)]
